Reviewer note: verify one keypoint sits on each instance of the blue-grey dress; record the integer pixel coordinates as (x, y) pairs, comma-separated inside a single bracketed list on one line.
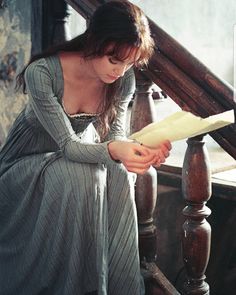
[(68, 220)]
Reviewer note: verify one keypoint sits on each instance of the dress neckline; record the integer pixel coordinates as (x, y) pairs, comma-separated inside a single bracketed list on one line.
[(76, 115)]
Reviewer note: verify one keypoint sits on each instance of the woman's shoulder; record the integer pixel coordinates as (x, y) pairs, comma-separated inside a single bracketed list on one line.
[(49, 62), (44, 66)]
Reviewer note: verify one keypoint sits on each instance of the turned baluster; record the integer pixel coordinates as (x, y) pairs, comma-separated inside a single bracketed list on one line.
[(143, 113), (196, 188)]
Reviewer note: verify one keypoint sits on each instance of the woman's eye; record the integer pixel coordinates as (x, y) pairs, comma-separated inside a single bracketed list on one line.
[(112, 60)]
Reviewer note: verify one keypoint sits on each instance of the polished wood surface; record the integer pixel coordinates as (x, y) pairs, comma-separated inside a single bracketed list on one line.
[(196, 237), (143, 113)]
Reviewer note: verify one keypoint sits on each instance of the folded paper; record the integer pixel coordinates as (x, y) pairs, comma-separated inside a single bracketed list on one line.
[(181, 125)]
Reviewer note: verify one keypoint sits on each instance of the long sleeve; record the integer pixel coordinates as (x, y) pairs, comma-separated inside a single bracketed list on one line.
[(48, 110), (39, 83), (118, 127)]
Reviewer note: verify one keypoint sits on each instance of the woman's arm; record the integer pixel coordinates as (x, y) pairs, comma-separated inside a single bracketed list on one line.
[(136, 158), (54, 120)]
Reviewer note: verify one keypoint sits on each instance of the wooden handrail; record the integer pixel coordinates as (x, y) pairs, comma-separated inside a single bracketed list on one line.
[(192, 67)]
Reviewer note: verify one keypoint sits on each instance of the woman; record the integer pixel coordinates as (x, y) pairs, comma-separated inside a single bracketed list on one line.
[(67, 211)]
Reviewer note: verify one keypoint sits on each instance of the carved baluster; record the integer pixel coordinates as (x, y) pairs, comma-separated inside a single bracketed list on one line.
[(196, 230), (143, 113)]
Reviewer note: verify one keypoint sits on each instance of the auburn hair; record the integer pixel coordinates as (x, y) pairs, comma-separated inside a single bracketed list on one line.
[(120, 24)]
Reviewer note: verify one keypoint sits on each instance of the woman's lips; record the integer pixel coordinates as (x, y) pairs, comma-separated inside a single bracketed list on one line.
[(113, 77)]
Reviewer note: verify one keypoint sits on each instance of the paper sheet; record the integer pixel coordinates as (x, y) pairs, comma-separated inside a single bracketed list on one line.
[(181, 125)]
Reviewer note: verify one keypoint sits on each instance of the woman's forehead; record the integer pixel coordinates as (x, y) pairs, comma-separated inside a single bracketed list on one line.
[(123, 52)]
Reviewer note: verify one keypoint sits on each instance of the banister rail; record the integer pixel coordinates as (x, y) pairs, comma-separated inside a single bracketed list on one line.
[(194, 68)]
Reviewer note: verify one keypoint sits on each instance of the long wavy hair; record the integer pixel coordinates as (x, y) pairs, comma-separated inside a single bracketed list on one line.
[(119, 23)]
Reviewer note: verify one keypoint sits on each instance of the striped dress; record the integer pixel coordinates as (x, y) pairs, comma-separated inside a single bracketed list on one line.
[(68, 221)]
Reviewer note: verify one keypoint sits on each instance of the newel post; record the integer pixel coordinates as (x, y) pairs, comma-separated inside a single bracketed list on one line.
[(196, 239), (143, 113)]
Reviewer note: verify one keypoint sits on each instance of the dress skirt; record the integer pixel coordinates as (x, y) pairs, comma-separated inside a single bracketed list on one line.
[(68, 228), (68, 222)]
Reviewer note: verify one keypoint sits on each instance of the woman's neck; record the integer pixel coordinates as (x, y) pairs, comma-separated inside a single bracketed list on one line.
[(75, 67)]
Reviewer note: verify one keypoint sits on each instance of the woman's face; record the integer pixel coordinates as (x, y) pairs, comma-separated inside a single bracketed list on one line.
[(108, 68)]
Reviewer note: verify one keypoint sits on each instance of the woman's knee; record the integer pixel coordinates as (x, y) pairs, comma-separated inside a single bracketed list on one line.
[(75, 174)]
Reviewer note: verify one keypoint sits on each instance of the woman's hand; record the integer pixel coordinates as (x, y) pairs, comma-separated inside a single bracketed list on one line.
[(138, 158), (162, 151)]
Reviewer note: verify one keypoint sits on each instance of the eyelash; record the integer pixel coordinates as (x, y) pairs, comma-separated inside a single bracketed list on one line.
[(114, 62)]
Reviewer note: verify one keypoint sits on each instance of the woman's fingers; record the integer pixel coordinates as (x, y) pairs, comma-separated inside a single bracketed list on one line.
[(167, 144), (158, 162), (164, 153), (136, 169), (161, 153), (141, 165)]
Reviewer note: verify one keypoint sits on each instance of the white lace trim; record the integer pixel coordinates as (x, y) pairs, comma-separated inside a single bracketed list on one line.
[(79, 114)]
